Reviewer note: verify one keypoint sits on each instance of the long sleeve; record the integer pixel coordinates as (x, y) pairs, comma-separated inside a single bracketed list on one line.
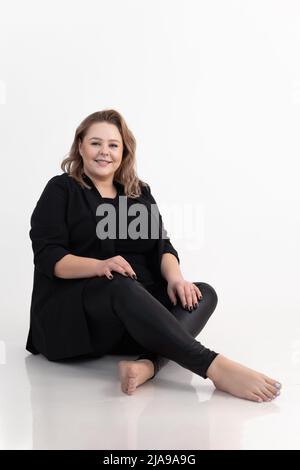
[(167, 245), (49, 231)]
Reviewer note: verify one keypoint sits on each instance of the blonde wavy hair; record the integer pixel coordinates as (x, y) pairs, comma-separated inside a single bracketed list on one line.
[(126, 173)]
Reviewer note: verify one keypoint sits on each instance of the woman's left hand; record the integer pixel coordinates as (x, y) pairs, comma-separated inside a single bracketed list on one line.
[(188, 293)]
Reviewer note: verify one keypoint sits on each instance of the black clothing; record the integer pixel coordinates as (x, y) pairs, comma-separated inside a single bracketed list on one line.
[(126, 317), (64, 222)]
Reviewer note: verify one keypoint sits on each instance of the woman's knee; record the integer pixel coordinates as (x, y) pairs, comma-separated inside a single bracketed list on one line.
[(208, 292), (121, 283)]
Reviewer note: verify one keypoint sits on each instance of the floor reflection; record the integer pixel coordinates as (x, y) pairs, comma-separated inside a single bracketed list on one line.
[(79, 405)]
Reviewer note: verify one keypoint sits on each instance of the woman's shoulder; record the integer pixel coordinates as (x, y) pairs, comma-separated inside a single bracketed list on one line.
[(64, 180), (67, 182), (58, 185), (147, 193), (145, 188)]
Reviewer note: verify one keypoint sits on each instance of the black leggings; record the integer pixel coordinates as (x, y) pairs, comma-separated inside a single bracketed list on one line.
[(125, 317)]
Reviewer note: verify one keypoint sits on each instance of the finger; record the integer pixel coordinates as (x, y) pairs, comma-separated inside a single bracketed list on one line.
[(181, 294), (124, 263), (125, 266), (189, 298), (198, 292), (108, 274), (172, 297), (195, 298), (129, 270), (118, 268)]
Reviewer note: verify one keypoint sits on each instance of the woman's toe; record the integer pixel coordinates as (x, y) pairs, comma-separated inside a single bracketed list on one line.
[(273, 390), (255, 397), (268, 394), (273, 382)]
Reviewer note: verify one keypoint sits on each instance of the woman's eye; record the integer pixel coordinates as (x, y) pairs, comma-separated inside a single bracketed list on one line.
[(97, 143)]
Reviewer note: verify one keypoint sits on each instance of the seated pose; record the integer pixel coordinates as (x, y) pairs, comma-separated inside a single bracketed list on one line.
[(108, 281)]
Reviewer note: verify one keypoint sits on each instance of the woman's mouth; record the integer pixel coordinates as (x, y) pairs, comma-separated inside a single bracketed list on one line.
[(102, 162)]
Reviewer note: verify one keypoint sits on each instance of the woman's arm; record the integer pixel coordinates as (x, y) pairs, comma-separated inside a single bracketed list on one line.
[(72, 267), (49, 232), (170, 269), (188, 293), (50, 237)]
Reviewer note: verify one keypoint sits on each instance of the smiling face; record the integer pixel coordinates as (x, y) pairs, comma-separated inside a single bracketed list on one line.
[(101, 151)]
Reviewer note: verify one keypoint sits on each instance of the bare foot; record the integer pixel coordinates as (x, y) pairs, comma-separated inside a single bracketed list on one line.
[(134, 373), (240, 381)]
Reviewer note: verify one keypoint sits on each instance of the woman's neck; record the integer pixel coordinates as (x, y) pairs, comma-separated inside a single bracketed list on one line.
[(105, 185)]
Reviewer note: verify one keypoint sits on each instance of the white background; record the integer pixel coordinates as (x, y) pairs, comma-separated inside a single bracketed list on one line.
[(211, 91)]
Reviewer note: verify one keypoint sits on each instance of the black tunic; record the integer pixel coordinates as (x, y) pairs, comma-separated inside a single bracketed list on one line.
[(64, 222)]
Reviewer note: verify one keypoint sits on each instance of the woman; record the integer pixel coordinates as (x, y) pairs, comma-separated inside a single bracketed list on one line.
[(119, 291)]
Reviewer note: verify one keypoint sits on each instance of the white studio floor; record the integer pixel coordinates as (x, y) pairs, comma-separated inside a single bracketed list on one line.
[(47, 405)]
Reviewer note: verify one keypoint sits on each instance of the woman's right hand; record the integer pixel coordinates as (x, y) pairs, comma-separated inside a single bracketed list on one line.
[(116, 263)]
